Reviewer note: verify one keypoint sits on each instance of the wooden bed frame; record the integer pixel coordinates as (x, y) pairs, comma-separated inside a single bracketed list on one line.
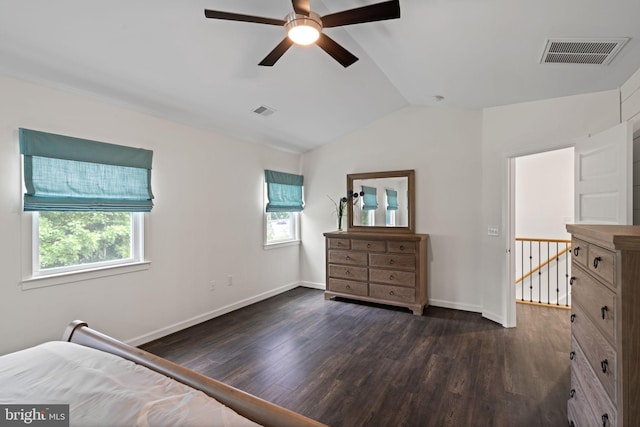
[(245, 404)]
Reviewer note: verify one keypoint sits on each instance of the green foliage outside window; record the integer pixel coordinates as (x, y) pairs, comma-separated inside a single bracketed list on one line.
[(75, 238), (280, 226)]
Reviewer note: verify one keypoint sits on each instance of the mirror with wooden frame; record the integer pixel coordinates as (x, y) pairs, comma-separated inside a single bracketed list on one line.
[(382, 201)]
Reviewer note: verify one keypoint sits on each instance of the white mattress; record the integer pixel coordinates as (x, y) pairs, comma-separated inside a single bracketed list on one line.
[(106, 390)]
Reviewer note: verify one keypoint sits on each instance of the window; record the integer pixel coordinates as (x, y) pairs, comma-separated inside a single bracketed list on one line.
[(74, 241), (391, 218), (87, 200), (392, 206), (281, 227), (284, 202), (369, 205)]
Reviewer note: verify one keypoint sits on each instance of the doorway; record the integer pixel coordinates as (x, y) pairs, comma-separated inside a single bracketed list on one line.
[(542, 203)]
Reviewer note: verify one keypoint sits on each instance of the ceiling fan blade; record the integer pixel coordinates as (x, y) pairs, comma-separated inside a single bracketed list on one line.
[(301, 7), (375, 12), (276, 53), (216, 14), (340, 54)]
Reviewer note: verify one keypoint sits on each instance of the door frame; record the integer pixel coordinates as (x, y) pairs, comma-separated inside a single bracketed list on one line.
[(510, 294)]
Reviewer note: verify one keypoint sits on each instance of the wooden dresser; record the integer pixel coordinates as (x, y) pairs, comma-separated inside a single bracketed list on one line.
[(605, 328), (378, 267)]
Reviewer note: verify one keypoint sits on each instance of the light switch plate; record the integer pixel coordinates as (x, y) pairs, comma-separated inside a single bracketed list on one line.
[(493, 231)]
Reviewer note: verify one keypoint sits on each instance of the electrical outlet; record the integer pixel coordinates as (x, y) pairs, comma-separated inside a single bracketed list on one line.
[(212, 285), (493, 231), (229, 280)]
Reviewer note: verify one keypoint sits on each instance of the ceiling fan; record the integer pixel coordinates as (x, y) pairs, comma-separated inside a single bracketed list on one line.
[(304, 27)]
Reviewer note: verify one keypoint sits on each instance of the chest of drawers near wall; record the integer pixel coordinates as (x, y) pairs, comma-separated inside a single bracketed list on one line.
[(605, 326), (378, 267)]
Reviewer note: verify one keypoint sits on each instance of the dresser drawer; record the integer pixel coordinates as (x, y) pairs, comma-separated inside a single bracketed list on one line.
[(368, 245), (579, 251), (587, 387), (348, 272), (602, 263), (393, 260), (393, 277), (392, 293), (334, 243), (599, 353), (347, 257), (598, 301), (578, 410), (347, 287), (402, 247)]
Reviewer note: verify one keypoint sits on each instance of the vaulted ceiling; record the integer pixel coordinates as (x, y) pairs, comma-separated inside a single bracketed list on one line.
[(163, 57)]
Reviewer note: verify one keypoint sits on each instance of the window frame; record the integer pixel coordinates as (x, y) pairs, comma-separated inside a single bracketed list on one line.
[(136, 253), (33, 277), (280, 243), (296, 225), (391, 218)]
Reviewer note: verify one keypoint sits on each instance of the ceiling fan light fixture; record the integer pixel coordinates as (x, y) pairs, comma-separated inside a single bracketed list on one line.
[(303, 30)]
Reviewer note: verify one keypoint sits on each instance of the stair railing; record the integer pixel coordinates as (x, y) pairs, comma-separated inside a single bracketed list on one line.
[(544, 266)]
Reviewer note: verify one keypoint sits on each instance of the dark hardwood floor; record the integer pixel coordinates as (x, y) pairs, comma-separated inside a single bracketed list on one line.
[(355, 364)]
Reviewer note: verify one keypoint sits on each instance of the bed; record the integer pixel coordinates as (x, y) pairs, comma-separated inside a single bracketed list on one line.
[(107, 382)]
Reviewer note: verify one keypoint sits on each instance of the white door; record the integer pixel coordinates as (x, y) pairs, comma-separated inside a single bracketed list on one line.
[(604, 177)]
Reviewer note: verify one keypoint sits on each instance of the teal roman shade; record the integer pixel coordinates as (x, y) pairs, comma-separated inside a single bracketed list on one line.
[(370, 198), (62, 173), (284, 191), (392, 200)]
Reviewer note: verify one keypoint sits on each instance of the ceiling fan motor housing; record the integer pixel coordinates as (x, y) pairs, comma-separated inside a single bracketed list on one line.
[(307, 27)]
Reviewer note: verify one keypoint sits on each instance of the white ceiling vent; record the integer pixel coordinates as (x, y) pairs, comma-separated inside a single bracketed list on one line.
[(582, 51), (264, 111)]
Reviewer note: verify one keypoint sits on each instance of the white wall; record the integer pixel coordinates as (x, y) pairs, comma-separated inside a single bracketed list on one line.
[(460, 158), (517, 130), (206, 224), (630, 100), (630, 110), (444, 147), (544, 194)]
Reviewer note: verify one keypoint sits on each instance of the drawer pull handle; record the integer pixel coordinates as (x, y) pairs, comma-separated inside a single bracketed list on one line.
[(391, 261), (348, 286), (391, 277), (572, 393), (605, 420), (604, 310), (604, 365), (576, 250), (402, 247), (368, 245), (573, 278), (347, 257), (392, 293), (347, 273), (572, 355), (573, 317), (596, 261), (339, 243)]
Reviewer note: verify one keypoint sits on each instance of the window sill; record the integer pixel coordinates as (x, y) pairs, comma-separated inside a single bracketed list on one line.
[(77, 276), (282, 245)]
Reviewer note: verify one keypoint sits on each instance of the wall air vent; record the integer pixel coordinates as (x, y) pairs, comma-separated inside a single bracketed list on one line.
[(264, 111), (582, 51)]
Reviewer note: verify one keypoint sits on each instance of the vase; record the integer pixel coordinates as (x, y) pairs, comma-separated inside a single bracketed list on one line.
[(339, 222)]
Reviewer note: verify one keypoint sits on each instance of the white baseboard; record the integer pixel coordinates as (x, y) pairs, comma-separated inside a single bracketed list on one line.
[(468, 307), (455, 305), (494, 317), (313, 285), (159, 333)]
